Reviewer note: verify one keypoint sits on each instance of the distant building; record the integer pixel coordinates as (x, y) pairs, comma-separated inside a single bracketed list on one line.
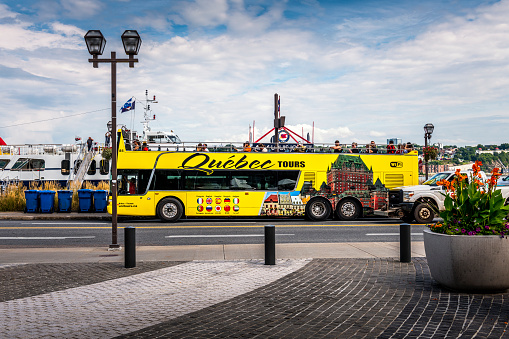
[(396, 141)]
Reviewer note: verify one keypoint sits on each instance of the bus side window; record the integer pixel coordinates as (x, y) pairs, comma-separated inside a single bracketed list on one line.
[(287, 180)]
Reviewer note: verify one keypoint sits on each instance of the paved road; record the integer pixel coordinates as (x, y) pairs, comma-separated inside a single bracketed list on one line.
[(70, 233)]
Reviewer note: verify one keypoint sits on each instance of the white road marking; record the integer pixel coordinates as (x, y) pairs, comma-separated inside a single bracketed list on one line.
[(391, 234), (219, 235), (45, 238)]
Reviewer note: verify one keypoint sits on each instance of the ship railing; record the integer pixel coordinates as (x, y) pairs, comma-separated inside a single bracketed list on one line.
[(39, 149), (283, 147)]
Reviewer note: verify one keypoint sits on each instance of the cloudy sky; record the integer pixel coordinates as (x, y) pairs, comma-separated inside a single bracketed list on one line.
[(359, 70)]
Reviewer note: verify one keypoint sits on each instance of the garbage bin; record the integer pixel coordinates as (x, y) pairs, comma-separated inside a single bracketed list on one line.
[(47, 201), (85, 200), (100, 200), (32, 201), (64, 201)]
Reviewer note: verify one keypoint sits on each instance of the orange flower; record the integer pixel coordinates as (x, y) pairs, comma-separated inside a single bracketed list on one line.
[(477, 167)]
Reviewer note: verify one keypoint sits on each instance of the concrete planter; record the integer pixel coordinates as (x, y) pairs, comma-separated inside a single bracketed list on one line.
[(468, 263)]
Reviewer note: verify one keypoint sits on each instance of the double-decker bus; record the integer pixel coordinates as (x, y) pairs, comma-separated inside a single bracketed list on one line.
[(173, 184)]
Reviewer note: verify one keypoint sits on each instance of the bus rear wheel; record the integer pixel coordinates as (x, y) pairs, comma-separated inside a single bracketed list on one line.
[(170, 209), (318, 209), (348, 209)]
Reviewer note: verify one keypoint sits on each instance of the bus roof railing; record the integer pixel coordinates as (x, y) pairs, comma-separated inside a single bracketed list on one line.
[(270, 147)]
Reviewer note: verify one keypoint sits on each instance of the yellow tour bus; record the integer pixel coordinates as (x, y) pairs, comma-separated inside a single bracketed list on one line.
[(176, 184)]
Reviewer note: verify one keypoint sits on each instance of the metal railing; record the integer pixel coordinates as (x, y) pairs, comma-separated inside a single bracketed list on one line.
[(283, 148)]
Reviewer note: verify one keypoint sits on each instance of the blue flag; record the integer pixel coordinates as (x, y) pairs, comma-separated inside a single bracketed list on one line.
[(129, 105)]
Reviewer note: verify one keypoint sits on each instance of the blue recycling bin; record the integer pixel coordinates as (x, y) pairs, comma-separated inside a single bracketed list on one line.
[(32, 201), (85, 200), (64, 201), (47, 201), (100, 200)]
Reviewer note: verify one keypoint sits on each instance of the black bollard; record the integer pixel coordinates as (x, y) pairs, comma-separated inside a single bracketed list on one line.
[(405, 254), (130, 246), (270, 245)]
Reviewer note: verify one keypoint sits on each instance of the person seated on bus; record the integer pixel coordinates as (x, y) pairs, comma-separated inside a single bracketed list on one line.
[(354, 148), (337, 147), (247, 148), (199, 148), (391, 149), (409, 147), (401, 149), (371, 147), (300, 148), (204, 148), (136, 145), (144, 146), (132, 186), (261, 148)]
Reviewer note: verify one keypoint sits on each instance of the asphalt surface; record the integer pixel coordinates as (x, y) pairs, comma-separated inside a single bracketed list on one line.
[(327, 290)]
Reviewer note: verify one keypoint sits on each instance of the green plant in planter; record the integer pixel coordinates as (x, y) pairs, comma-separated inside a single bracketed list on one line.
[(473, 207), (106, 154)]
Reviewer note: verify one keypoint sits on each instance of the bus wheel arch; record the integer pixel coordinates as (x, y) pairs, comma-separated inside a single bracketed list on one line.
[(170, 209), (318, 209), (349, 209)]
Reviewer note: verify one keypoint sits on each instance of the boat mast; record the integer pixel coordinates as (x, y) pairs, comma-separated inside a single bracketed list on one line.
[(147, 114)]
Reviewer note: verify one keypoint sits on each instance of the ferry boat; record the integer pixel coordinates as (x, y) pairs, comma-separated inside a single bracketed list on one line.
[(69, 165)]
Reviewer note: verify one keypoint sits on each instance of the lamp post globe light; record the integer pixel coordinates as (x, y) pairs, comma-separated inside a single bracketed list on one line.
[(428, 130), (95, 44)]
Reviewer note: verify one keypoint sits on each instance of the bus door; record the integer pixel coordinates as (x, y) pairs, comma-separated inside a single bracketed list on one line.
[(133, 198)]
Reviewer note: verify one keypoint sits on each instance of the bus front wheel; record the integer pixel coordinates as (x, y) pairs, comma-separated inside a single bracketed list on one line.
[(170, 209), (318, 209)]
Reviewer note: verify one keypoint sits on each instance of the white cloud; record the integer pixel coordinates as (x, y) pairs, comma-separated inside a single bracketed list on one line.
[(5, 12), (212, 86), (206, 13), (81, 8)]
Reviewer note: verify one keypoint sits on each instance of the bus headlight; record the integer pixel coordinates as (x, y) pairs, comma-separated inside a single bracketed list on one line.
[(408, 195)]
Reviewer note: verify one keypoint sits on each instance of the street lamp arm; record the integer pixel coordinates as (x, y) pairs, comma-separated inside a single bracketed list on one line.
[(112, 60)]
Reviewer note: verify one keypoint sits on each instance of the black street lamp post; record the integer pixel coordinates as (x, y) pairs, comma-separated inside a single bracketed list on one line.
[(95, 44), (428, 130)]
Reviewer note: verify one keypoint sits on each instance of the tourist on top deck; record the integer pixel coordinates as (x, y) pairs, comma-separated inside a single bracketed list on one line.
[(391, 149), (337, 147), (204, 148), (261, 148), (247, 148), (199, 147), (409, 147), (354, 148), (300, 147), (401, 149), (144, 146), (371, 147), (136, 145)]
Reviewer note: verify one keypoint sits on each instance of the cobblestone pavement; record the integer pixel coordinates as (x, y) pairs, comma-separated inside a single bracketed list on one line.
[(346, 298), (21, 281), (117, 306), (319, 298)]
